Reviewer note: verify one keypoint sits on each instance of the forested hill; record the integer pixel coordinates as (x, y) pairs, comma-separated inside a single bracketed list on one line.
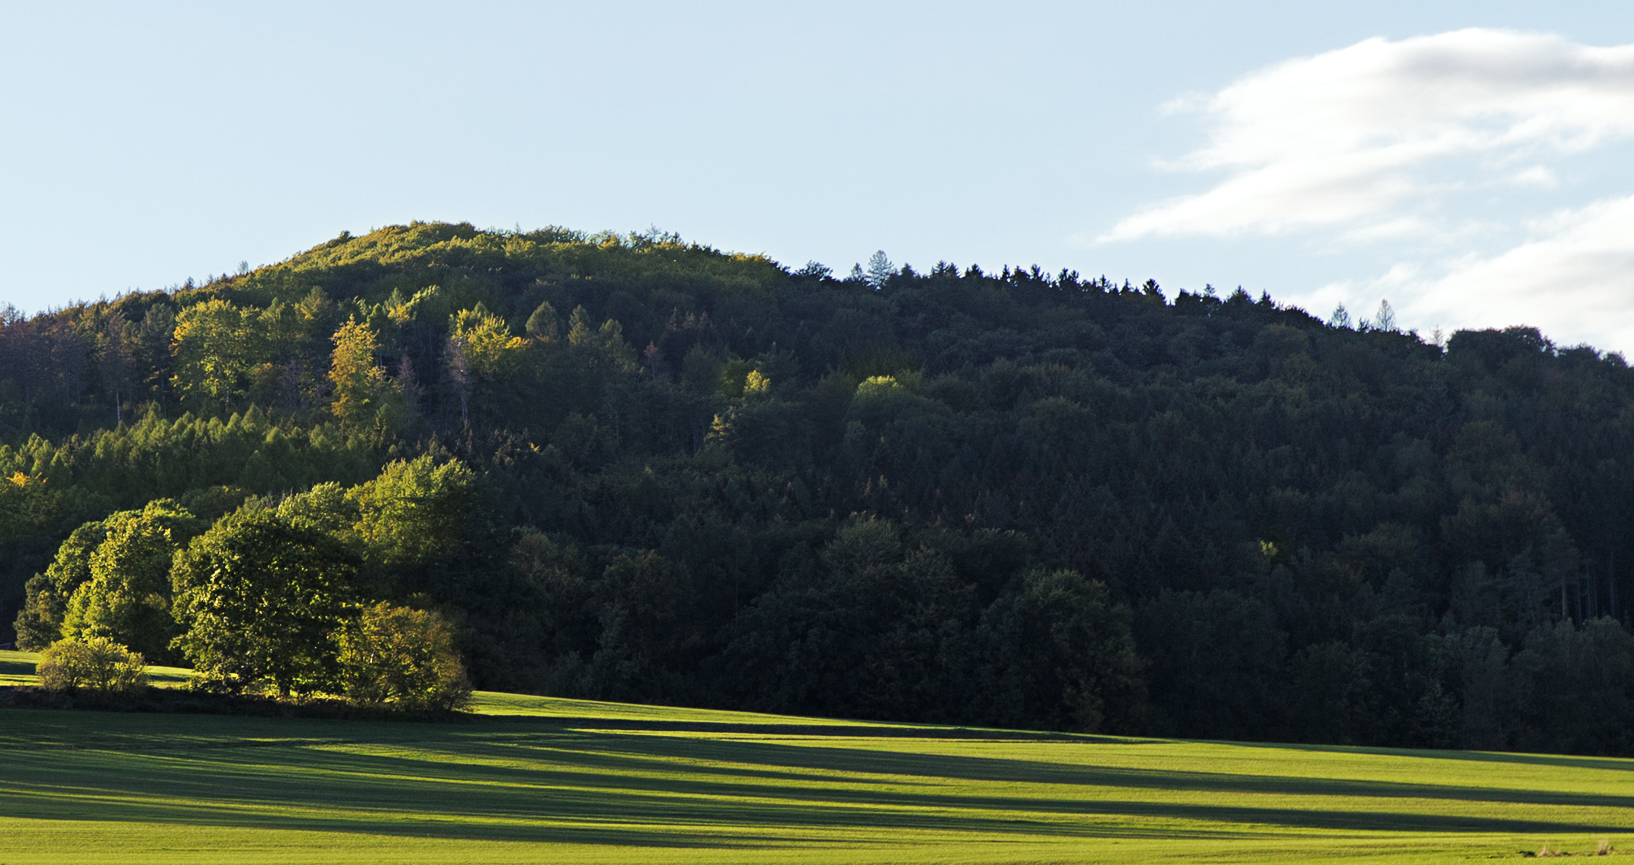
[(633, 468)]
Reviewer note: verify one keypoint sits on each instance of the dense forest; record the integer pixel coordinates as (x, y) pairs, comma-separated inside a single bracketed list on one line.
[(628, 467)]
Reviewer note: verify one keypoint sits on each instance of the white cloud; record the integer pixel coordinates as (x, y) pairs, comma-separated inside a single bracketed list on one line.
[(1574, 279), (1432, 150), (1348, 139), (1537, 175)]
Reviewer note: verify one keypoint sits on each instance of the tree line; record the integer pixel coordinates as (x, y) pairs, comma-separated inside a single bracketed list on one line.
[(1010, 498)]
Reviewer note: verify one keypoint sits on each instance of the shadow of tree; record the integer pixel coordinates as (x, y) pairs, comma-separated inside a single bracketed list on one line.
[(552, 780)]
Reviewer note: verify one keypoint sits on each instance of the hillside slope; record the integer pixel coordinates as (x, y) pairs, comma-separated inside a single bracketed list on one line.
[(1013, 499)]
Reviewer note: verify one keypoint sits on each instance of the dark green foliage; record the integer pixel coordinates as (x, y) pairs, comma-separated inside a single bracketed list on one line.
[(1057, 653), (40, 620), (40, 623), (623, 466), (1574, 687), (868, 627), (1216, 663)]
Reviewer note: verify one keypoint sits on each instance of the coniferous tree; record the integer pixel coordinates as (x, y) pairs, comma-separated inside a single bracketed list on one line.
[(880, 269)]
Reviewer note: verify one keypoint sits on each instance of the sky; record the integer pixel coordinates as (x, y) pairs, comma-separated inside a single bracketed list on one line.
[(1468, 162)]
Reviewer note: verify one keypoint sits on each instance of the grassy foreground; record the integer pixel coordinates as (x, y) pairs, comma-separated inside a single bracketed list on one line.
[(565, 781)]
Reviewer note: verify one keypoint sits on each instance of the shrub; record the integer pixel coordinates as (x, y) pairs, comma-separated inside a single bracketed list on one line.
[(95, 664), (404, 658)]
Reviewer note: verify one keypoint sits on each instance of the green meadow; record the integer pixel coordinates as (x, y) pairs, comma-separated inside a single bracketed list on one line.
[(533, 779)]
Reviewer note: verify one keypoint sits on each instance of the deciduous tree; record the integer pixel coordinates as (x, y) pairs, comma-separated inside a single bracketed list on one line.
[(263, 599)]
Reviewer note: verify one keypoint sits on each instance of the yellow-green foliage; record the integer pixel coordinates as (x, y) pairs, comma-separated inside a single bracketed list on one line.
[(26, 503), (127, 595), (581, 782), (403, 657), (414, 510), (878, 386), (361, 386), (94, 664), (157, 456), (216, 345), (224, 353), (555, 249), (490, 349), (261, 598)]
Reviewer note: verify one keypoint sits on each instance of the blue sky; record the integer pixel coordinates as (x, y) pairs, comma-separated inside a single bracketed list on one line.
[(1467, 161)]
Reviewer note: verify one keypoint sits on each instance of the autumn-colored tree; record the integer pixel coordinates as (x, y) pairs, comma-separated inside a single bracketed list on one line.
[(361, 387)]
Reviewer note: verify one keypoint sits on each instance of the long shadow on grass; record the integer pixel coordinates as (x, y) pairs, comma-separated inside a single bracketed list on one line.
[(390, 795), (1011, 770), (794, 728), (1003, 769), (795, 765), (614, 788), (1613, 764)]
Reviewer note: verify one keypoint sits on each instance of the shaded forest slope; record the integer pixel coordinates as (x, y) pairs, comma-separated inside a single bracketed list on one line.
[(1016, 498)]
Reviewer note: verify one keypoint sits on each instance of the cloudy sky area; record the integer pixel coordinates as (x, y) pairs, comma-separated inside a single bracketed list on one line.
[(1469, 156), (1468, 161)]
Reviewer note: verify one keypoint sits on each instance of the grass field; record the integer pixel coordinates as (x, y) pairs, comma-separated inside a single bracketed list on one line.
[(564, 781)]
